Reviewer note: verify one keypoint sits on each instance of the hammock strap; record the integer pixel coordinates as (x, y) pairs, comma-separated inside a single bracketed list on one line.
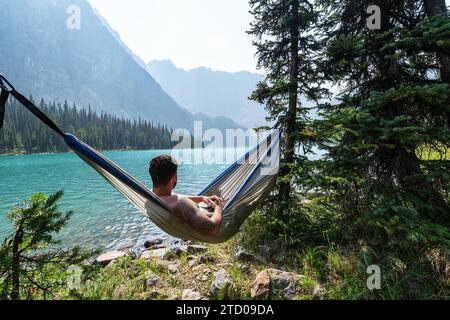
[(30, 106), (3, 99)]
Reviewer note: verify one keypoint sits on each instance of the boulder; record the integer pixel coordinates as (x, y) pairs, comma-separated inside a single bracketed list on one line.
[(196, 249), (221, 285), (105, 258), (189, 294), (260, 288), (280, 283), (151, 254)]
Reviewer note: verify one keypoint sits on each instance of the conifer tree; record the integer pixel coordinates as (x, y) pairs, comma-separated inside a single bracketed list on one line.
[(285, 51), (392, 112)]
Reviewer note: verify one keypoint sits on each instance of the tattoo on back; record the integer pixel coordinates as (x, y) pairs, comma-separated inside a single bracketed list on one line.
[(190, 213)]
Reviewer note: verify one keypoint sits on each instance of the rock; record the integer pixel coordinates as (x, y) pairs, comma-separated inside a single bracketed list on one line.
[(150, 254), (207, 258), (105, 258), (173, 267), (242, 255), (173, 253), (318, 292), (192, 261), (189, 294), (196, 249), (221, 284), (281, 283), (151, 280), (152, 242), (260, 288)]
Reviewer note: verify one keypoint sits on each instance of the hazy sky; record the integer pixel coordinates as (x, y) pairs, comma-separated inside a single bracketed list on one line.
[(191, 33)]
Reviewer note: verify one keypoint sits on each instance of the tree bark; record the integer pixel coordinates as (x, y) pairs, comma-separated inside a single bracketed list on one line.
[(289, 138)]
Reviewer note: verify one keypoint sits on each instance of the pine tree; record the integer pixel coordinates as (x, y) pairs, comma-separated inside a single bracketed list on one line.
[(285, 51), (27, 256), (394, 104)]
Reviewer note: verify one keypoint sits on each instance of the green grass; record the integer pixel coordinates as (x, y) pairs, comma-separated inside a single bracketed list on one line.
[(339, 266)]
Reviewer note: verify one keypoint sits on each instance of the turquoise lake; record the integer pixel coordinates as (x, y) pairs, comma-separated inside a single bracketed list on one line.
[(102, 217)]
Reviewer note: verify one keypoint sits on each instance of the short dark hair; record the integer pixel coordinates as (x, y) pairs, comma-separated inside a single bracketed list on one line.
[(162, 169)]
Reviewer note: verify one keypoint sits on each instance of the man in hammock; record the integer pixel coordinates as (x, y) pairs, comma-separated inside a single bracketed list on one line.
[(203, 214)]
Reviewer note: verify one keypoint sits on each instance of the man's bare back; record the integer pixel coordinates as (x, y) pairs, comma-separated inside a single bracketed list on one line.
[(198, 218)]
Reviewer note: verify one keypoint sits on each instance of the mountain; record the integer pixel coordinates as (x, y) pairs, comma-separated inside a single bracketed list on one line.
[(211, 92), (90, 65)]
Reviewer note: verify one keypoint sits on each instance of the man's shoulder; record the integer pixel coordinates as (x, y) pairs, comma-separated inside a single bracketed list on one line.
[(171, 200)]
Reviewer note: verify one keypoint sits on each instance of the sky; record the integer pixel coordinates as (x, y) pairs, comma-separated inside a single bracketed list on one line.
[(191, 33)]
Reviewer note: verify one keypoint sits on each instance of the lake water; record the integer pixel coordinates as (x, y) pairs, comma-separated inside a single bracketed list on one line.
[(102, 217)]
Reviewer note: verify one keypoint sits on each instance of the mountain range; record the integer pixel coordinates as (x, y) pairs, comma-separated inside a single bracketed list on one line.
[(86, 66), (211, 92)]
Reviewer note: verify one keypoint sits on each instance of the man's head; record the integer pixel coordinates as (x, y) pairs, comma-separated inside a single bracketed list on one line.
[(163, 170)]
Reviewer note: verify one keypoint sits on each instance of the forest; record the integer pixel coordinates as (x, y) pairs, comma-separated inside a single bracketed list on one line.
[(24, 133)]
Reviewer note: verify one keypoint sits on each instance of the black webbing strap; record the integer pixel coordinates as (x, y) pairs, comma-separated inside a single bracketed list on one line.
[(29, 105), (3, 99)]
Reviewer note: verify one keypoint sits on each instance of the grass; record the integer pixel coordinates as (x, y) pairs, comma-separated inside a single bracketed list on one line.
[(339, 270)]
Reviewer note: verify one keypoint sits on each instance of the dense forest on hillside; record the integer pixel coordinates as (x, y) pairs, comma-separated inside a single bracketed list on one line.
[(24, 133)]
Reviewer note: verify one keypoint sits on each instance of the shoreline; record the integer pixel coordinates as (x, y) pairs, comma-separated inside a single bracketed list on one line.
[(68, 152)]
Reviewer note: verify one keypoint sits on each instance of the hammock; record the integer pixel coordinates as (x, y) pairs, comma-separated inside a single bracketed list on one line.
[(243, 186)]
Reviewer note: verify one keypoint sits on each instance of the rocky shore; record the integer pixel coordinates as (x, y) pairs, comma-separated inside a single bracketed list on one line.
[(189, 271)]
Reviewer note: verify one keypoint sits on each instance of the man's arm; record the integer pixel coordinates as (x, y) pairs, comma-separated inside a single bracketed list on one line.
[(198, 199), (198, 219)]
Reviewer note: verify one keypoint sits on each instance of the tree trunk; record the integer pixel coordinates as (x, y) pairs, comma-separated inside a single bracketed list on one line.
[(289, 138), (410, 177), (15, 266)]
